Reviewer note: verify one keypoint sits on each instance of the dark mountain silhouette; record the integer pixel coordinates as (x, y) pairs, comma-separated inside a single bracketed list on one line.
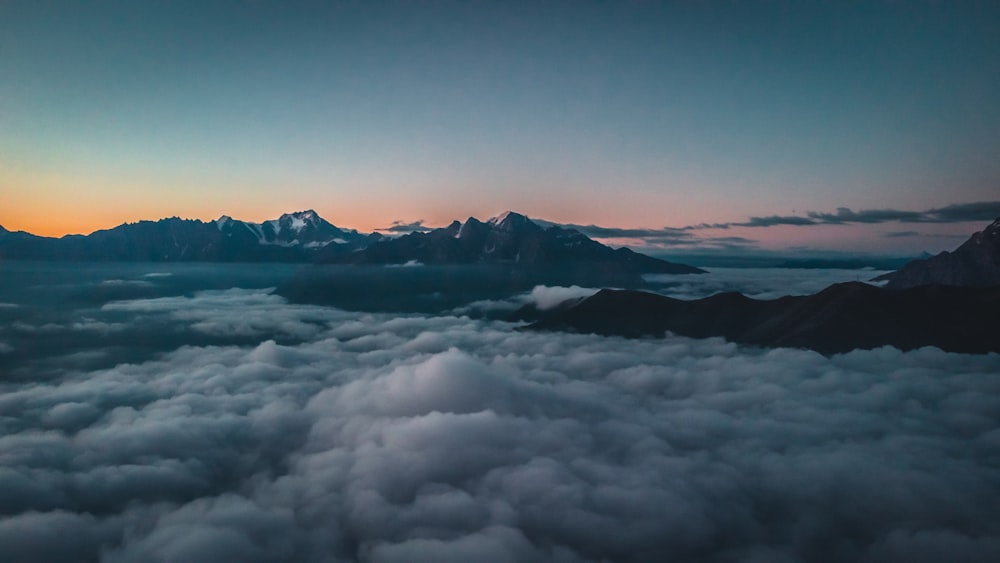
[(838, 319), (510, 238), (304, 236), (976, 263), (293, 237)]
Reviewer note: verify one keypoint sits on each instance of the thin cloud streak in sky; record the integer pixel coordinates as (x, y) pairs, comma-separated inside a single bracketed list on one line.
[(405, 228), (692, 237), (956, 213)]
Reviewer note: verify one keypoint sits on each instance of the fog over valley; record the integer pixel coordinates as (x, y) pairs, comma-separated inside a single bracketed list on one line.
[(178, 412)]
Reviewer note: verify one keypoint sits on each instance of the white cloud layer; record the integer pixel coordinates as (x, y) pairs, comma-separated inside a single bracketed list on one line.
[(386, 439), (757, 283)]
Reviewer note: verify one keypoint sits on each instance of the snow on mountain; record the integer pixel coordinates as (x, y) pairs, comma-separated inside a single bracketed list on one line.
[(305, 228), (500, 218)]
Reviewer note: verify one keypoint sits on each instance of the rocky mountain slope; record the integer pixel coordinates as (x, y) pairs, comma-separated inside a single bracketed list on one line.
[(838, 319), (976, 263)]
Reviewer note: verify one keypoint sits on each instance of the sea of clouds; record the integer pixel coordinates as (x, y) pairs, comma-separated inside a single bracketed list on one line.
[(324, 435)]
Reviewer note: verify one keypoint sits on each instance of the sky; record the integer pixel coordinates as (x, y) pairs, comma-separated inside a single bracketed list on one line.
[(628, 115)]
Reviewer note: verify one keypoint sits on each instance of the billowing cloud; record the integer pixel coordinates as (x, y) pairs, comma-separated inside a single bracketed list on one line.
[(541, 297), (383, 438), (545, 297), (406, 228)]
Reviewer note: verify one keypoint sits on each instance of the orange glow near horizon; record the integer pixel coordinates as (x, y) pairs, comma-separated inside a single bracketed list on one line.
[(56, 205)]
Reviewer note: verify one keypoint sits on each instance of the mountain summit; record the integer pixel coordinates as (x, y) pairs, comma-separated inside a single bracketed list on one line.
[(305, 228), (976, 263)]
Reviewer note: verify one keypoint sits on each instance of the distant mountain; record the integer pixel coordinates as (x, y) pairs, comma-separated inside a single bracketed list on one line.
[(976, 263), (293, 237), (304, 236), (510, 238), (303, 228), (838, 319)]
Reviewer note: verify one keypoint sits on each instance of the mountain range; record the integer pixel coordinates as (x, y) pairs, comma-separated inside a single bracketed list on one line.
[(293, 237), (510, 238), (949, 301), (304, 236)]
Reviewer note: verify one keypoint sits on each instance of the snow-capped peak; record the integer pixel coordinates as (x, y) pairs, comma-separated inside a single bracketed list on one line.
[(511, 222), (300, 219), (508, 216), (499, 218), (222, 221), (307, 215)]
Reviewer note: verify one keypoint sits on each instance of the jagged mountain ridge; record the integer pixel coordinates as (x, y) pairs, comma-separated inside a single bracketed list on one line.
[(293, 237), (976, 263), (508, 238), (304, 228), (304, 236)]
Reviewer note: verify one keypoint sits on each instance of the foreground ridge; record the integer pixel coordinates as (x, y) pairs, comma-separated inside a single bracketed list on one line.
[(841, 318), (976, 263)]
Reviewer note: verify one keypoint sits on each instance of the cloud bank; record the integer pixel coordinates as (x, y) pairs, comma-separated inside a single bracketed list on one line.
[(694, 237), (381, 438), (983, 211)]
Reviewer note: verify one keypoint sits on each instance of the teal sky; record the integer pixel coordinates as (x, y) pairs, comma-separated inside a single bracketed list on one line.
[(626, 114)]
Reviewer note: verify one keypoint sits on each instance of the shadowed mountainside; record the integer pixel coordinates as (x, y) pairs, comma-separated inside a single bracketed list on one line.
[(838, 319), (510, 238), (976, 263)]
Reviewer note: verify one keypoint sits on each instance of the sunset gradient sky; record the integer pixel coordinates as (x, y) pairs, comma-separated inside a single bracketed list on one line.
[(618, 114)]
